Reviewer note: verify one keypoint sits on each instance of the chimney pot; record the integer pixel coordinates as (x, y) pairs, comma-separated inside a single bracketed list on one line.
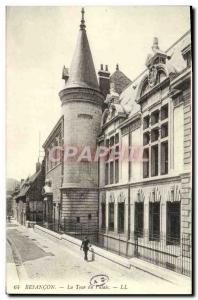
[(106, 67), (101, 67)]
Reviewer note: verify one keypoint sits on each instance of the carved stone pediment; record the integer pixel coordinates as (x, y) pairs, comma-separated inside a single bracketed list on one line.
[(155, 195)]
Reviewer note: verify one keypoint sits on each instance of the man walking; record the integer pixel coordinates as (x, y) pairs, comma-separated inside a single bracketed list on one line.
[(85, 247)]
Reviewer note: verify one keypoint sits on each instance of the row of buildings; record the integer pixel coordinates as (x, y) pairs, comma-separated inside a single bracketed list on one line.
[(137, 197)]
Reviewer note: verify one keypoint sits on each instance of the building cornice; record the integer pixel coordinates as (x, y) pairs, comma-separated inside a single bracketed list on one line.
[(81, 94), (53, 132), (130, 120), (155, 89), (144, 182)]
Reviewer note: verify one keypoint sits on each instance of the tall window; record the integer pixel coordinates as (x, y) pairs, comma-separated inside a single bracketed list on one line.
[(106, 173), (111, 216), (111, 172), (154, 160), (155, 143), (121, 217), (154, 221), (112, 160), (103, 215), (107, 163), (164, 158), (116, 171), (139, 219), (146, 163), (173, 223)]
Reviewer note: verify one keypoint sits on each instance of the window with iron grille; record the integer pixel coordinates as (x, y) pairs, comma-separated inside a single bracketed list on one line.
[(103, 215), (173, 219), (121, 217), (154, 221), (111, 216), (139, 219)]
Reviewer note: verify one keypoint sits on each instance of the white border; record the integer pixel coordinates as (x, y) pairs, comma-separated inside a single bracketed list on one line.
[(3, 4)]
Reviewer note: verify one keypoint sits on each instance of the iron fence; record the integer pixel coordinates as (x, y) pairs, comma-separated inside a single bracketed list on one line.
[(162, 250)]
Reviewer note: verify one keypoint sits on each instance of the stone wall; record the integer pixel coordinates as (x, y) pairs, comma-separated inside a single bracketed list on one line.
[(83, 204)]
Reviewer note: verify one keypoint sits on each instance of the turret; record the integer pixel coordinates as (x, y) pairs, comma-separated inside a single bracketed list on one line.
[(82, 109)]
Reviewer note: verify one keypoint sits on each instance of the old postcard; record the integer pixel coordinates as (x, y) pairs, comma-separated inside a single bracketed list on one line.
[(99, 150)]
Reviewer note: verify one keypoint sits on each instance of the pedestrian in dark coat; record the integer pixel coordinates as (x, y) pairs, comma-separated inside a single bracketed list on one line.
[(85, 247)]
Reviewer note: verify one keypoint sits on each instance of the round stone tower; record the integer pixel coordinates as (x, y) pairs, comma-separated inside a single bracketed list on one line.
[(82, 110)]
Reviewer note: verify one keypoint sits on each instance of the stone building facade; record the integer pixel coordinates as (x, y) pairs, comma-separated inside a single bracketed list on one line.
[(145, 193), (28, 198), (140, 192)]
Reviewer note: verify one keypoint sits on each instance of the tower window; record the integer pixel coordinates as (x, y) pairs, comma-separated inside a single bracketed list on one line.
[(77, 219), (89, 216)]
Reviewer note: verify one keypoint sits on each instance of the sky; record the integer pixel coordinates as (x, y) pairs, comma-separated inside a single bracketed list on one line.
[(40, 40)]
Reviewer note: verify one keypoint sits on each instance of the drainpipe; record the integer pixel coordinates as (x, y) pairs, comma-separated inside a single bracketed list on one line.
[(129, 177), (129, 213)]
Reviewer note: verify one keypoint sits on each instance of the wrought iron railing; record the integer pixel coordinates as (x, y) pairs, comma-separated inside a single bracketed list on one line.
[(174, 253)]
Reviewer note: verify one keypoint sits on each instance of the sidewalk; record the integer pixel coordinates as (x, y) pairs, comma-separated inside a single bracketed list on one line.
[(151, 269)]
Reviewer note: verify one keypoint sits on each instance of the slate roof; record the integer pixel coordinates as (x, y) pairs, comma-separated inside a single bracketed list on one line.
[(26, 185), (82, 71), (120, 80), (175, 64)]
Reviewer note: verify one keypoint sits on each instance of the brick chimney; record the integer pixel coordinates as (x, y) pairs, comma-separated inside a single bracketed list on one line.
[(104, 80)]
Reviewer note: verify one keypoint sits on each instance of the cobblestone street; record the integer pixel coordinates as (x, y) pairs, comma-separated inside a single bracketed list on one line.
[(41, 261)]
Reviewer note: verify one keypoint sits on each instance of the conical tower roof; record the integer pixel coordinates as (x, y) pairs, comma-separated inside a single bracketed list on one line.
[(82, 71)]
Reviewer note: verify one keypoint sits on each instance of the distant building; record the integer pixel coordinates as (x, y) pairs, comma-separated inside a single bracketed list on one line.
[(10, 203), (28, 198)]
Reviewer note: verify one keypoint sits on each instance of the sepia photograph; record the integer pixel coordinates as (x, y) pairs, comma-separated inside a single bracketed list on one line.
[(99, 150)]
